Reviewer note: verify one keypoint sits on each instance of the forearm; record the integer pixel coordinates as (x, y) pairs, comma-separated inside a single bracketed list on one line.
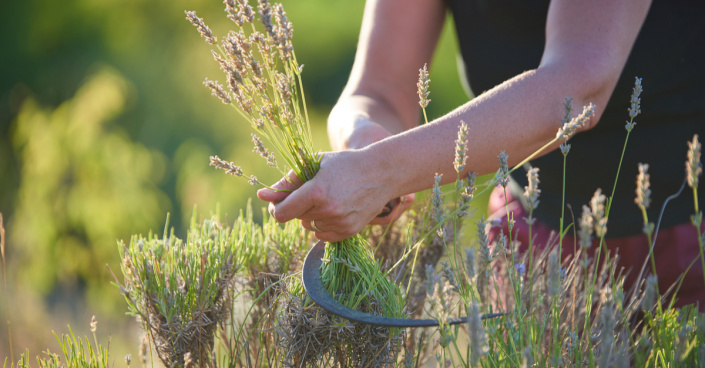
[(519, 116), (397, 38)]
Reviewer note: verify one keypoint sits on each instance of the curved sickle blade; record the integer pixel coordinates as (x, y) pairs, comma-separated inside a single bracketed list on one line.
[(313, 284)]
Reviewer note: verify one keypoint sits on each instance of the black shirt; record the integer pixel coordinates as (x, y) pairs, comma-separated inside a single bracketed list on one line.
[(500, 39)]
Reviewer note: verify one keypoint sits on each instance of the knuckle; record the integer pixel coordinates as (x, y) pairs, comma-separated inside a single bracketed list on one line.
[(317, 194), (279, 215), (345, 223)]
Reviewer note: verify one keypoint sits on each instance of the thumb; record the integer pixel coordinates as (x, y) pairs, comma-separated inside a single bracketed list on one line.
[(281, 189)]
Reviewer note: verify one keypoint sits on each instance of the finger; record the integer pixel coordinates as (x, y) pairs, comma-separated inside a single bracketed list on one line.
[(402, 204), (281, 189), (332, 236), (389, 207), (306, 224), (295, 205), (310, 225)]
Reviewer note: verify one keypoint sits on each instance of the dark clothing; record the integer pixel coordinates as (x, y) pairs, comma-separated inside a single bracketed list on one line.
[(675, 249), (500, 39)]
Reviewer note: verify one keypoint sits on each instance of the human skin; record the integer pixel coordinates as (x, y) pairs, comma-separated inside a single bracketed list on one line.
[(381, 153)]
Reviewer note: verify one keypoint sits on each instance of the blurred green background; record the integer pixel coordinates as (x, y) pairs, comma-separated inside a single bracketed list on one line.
[(105, 127)]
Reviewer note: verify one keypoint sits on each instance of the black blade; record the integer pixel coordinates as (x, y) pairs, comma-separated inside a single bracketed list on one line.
[(311, 276)]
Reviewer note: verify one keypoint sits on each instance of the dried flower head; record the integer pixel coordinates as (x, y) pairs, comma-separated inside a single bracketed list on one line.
[(635, 107), (284, 32), (442, 309), (532, 191), (567, 111), (202, 27), (229, 167), (553, 288), (231, 9), (217, 90), (470, 263), (643, 193), (283, 87), (422, 87), (437, 202), (144, 348), (485, 258), (237, 48), (239, 13), (461, 148), (467, 189), (225, 65), (431, 279), (608, 323), (265, 13), (569, 128), (586, 228), (503, 172), (650, 293), (449, 275), (263, 151), (482, 238), (693, 167), (476, 335), (94, 324), (500, 246), (597, 206)]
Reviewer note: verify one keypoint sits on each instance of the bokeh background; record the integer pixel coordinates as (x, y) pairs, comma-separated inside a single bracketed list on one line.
[(105, 127)]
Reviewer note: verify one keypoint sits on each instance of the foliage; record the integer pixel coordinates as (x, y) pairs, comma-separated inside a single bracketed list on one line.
[(83, 182), (77, 353)]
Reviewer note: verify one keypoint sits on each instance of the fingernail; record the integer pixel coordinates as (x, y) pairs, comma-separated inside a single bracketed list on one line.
[(271, 209)]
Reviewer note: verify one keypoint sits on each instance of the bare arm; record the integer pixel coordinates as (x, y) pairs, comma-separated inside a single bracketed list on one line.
[(587, 45), (396, 39)]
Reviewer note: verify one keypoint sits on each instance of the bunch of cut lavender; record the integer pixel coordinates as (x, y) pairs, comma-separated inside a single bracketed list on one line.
[(264, 85)]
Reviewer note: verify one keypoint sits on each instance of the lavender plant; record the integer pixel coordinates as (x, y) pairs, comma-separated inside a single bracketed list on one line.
[(574, 312), (76, 353), (181, 290)]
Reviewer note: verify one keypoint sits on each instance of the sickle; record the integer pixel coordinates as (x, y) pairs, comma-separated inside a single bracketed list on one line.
[(313, 284)]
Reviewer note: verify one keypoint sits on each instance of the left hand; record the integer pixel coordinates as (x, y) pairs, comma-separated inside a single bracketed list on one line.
[(345, 195)]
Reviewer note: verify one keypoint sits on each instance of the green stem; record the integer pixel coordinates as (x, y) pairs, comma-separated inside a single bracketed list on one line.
[(533, 155), (531, 254), (561, 232), (697, 225), (695, 199)]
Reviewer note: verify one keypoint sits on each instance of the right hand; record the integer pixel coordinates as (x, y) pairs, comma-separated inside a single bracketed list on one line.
[(364, 133), (347, 193)]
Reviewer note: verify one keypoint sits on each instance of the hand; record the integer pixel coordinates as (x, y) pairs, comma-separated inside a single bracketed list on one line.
[(359, 134), (394, 209), (364, 133), (345, 195)]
